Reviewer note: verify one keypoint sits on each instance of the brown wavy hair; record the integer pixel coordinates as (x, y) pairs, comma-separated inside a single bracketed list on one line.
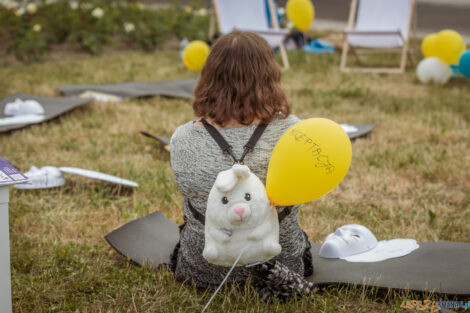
[(240, 81)]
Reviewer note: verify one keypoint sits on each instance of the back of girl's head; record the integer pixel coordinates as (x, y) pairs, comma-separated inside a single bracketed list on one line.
[(240, 81)]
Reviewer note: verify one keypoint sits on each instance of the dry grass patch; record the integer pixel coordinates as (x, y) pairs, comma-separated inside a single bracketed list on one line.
[(409, 178)]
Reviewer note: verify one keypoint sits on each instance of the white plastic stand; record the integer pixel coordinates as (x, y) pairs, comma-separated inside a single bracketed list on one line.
[(5, 278)]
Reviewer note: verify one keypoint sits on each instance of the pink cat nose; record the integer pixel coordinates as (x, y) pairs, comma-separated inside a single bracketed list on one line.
[(239, 210)]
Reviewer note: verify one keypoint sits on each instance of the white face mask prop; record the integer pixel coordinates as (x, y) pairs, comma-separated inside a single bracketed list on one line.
[(348, 240), (50, 176), (356, 243), (26, 107), (45, 177), (240, 218)]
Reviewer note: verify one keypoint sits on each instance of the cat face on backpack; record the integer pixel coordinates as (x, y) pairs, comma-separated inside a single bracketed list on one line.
[(238, 199), (240, 221)]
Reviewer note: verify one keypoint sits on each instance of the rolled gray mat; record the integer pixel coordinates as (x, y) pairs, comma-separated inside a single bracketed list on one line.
[(441, 267), (182, 88), (53, 107)]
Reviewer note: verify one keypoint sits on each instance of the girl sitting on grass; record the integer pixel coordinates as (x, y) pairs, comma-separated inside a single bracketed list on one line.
[(240, 87)]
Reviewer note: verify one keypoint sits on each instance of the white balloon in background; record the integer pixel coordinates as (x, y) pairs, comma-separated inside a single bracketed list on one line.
[(433, 70)]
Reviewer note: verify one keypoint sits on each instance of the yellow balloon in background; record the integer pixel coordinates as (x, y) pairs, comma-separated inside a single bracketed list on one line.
[(428, 46), (195, 54), (449, 46), (309, 160), (301, 13)]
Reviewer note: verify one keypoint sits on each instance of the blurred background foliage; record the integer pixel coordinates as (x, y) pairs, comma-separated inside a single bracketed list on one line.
[(28, 29)]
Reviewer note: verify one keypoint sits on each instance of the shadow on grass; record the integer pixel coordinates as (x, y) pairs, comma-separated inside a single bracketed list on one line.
[(459, 82)]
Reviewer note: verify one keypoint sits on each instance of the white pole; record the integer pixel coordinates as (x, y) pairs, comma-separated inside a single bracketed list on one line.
[(5, 278)]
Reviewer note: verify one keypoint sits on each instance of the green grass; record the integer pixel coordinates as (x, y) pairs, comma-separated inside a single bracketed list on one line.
[(409, 178)]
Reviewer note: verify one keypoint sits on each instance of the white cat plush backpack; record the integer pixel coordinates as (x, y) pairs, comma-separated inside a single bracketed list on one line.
[(240, 223), (240, 220), (241, 227)]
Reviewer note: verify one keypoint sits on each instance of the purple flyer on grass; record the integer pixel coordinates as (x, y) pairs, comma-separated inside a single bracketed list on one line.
[(10, 175)]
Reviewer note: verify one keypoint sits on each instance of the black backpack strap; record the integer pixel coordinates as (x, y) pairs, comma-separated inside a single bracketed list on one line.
[(200, 217), (226, 147), (250, 145), (223, 144), (287, 210)]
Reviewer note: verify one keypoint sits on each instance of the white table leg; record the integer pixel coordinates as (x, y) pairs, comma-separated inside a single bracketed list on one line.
[(5, 278)]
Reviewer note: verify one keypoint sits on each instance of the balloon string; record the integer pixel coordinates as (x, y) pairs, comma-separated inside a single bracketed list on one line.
[(272, 203), (223, 281)]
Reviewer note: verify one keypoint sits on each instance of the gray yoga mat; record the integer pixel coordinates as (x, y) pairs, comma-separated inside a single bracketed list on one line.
[(149, 240), (182, 88), (53, 107), (442, 267)]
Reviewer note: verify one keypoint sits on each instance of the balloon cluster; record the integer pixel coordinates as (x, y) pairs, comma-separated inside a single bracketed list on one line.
[(441, 50), (300, 13)]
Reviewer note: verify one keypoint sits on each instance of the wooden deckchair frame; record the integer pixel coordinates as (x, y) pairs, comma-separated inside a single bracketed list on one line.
[(274, 24), (405, 50)]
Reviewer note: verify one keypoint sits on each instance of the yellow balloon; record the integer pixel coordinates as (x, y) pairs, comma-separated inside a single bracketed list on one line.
[(428, 46), (301, 13), (195, 54), (309, 160), (449, 46)]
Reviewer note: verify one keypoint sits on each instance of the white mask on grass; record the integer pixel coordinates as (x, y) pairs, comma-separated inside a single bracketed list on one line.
[(356, 243)]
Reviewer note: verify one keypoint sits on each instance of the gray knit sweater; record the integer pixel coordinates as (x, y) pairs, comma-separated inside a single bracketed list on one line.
[(196, 160)]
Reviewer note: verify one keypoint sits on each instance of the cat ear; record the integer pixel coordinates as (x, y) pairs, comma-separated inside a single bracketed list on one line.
[(225, 181), (242, 171)]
